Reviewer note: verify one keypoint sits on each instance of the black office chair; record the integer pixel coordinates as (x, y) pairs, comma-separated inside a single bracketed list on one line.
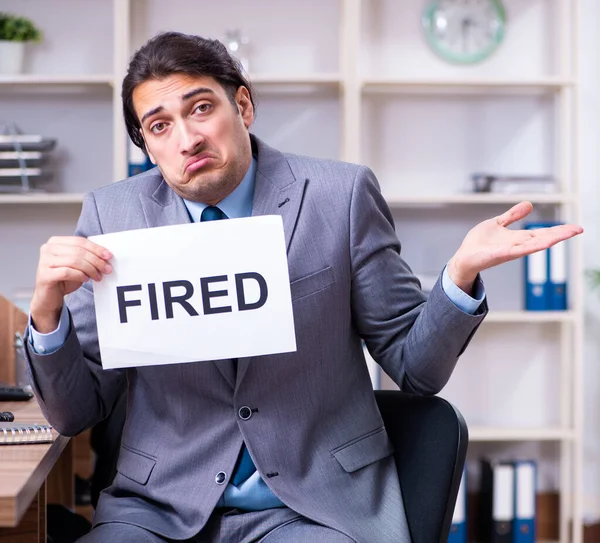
[(430, 438)]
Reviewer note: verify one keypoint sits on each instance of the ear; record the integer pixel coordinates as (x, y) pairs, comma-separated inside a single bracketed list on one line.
[(147, 150), (244, 105)]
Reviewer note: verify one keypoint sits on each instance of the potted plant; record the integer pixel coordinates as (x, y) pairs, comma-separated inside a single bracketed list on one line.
[(15, 32), (593, 277)]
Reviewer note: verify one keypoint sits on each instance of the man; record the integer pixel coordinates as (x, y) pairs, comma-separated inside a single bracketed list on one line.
[(286, 447)]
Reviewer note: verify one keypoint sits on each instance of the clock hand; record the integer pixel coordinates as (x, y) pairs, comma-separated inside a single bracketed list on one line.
[(465, 30)]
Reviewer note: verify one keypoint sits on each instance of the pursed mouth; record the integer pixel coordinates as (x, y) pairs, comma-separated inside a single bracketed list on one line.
[(197, 162)]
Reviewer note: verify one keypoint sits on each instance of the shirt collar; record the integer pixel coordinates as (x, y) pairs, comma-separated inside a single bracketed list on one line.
[(238, 204)]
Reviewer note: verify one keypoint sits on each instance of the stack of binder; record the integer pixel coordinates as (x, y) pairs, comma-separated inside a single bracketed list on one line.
[(507, 502), (22, 161), (546, 276)]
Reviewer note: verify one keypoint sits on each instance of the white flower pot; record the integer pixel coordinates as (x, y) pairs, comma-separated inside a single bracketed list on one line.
[(12, 54)]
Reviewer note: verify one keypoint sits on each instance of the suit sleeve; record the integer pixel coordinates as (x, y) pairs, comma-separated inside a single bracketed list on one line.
[(416, 339), (74, 392)]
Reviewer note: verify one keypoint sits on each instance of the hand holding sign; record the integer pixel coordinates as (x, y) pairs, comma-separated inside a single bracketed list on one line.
[(192, 292), (65, 264)]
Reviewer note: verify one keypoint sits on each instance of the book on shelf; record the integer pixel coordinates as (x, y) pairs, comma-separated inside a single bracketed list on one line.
[(14, 433), (458, 528), (558, 277), (496, 502), (137, 160), (525, 501), (507, 501)]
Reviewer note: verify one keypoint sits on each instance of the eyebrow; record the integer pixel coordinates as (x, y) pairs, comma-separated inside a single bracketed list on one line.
[(184, 98)]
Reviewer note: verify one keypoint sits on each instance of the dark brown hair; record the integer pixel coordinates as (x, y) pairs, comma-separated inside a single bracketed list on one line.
[(176, 53)]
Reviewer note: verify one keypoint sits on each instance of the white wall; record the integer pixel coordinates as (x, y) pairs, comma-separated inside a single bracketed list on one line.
[(590, 178)]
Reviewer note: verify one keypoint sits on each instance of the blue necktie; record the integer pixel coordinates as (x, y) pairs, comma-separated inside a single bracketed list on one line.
[(212, 213), (245, 467)]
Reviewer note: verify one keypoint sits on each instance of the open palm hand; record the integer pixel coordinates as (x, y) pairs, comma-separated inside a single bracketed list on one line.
[(491, 243)]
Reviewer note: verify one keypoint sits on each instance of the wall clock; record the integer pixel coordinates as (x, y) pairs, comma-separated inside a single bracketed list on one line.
[(464, 31)]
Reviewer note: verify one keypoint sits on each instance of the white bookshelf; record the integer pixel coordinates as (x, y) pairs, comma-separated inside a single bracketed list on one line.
[(324, 79), (401, 108), (343, 86), (41, 198), (68, 93), (465, 86), (490, 434), (44, 80), (476, 198), (534, 317)]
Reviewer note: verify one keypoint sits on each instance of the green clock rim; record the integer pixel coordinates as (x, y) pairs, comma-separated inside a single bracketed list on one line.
[(457, 59)]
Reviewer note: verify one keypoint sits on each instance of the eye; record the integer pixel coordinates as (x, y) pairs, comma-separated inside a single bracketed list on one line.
[(157, 128), (203, 108)]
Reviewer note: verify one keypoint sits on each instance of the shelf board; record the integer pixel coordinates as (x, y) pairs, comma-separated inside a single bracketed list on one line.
[(530, 316), (42, 198), (486, 433), (293, 85), (326, 79), (395, 202), (107, 79), (476, 198), (38, 79), (460, 86)]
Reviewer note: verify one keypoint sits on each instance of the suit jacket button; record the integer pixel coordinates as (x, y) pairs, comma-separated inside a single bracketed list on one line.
[(245, 412), (220, 477)]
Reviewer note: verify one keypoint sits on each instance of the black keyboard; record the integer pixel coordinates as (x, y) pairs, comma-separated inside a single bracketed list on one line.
[(15, 393)]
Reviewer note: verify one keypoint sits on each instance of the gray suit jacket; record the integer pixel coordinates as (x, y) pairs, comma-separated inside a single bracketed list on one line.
[(316, 435)]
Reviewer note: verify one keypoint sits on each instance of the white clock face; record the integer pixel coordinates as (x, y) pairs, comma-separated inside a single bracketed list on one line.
[(464, 31)]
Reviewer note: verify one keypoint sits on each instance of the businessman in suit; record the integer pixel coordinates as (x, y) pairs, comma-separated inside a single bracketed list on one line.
[(279, 448)]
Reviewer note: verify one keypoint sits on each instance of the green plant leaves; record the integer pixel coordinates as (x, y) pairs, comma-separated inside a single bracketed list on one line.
[(14, 28), (593, 277)]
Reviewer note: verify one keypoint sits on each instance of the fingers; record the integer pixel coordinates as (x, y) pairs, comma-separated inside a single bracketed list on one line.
[(555, 234), (83, 243), (73, 253), (65, 274), (79, 256), (515, 213), (91, 266), (65, 264), (543, 238)]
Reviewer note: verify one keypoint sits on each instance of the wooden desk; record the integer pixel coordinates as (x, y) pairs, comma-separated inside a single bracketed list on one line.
[(31, 475)]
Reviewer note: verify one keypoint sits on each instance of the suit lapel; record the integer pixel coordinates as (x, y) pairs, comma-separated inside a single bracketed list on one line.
[(274, 199), (276, 192), (164, 208)]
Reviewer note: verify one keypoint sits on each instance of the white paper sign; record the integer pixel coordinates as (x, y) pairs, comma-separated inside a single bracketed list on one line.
[(193, 292)]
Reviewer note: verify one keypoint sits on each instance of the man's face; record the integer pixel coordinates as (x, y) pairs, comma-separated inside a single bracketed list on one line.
[(195, 135)]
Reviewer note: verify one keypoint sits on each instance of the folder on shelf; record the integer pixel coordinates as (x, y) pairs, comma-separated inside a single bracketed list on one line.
[(557, 294), (537, 276), (458, 529), (137, 161), (497, 501), (546, 276), (536, 281), (525, 496)]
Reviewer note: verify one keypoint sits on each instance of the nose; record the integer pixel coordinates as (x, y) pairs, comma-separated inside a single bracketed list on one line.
[(189, 138)]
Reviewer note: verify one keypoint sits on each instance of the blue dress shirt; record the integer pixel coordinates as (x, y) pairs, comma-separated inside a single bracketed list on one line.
[(252, 494)]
